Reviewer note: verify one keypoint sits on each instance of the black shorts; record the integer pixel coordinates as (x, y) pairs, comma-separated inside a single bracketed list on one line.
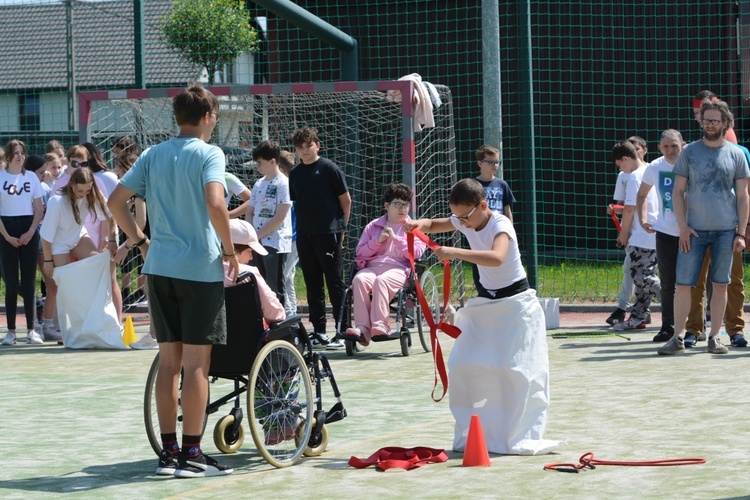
[(191, 312)]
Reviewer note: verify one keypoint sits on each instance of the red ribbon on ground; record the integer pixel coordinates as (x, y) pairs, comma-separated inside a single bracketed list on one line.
[(402, 458), (450, 330), (615, 219), (587, 461)]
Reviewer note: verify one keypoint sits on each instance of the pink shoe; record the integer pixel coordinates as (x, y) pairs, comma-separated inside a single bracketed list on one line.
[(356, 335), (380, 330)]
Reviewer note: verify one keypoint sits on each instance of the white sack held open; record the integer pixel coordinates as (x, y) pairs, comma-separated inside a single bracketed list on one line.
[(88, 318)]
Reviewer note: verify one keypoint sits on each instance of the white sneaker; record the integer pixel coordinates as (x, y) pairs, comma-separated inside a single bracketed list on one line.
[(335, 345), (34, 338), (146, 342), (10, 339)]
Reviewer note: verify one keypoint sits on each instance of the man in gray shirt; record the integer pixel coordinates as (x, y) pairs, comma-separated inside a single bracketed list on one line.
[(711, 177)]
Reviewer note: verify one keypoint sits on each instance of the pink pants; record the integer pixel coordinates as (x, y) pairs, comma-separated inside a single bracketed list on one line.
[(384, 281)]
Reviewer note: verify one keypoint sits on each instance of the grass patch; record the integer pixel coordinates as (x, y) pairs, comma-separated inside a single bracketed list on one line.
[(571, 282)]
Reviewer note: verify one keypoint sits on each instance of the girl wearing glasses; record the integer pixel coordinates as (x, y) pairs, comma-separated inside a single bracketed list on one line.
[(383, 264)]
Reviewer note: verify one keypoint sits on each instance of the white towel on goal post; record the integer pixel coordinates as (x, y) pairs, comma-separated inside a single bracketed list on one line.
[(88, 318), (499, 370)]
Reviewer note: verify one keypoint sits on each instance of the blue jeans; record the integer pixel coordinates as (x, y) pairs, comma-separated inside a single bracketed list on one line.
[(689, 263)]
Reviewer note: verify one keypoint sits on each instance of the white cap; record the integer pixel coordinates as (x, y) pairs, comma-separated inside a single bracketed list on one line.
[(243, 233)]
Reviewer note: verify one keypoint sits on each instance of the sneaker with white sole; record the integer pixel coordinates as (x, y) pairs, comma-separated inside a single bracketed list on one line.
[(200, 466), (145, 343), (9, 339), (630, 324), (335, 345), (319, 340), (675, 345), (715, 346), (34, 338), (167, 464)]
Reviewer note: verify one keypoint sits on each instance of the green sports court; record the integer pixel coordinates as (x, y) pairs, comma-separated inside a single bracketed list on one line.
[(74, 427)]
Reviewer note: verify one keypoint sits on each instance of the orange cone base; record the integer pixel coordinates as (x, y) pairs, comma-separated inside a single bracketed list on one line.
[(476, 454)]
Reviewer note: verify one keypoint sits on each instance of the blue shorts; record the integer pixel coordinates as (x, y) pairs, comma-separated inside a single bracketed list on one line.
[(689, 263)]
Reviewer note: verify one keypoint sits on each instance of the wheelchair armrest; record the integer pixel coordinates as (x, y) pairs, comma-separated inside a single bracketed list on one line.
[(291, 321), (352, 271)]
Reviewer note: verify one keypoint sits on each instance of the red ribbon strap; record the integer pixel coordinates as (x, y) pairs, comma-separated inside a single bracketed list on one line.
[(616, 219), (450, 330), (402, 458)]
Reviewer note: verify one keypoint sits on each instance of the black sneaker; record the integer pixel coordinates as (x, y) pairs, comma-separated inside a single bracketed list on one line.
[(738, 340), (167, 464), (200, 466), (319, 340), (690, 340), (618, 316), (663, 335)]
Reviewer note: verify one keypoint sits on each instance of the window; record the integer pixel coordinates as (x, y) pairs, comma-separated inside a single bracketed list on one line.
[(30, 113)]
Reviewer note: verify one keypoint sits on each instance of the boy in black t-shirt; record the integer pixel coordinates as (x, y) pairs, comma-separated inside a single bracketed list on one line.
[(322, 205)]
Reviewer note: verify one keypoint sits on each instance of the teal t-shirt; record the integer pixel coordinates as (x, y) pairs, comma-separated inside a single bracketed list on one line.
[(170, 177)]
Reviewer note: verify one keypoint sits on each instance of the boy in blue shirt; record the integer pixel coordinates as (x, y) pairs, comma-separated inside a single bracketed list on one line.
[(190, 239)]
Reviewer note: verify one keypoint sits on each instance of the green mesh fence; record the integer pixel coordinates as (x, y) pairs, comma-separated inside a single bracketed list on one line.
[(572, 77)]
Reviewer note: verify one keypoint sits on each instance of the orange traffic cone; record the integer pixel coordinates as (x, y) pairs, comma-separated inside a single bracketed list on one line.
[(476, 454), (128, 334)]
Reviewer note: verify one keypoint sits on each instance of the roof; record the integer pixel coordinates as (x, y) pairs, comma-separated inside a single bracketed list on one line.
[(36, 58)]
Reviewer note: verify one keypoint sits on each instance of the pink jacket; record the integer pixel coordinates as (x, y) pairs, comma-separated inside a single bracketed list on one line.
[(369, 248)]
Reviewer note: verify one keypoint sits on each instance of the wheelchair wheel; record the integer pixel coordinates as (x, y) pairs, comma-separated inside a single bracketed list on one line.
[(150, 417), (432, 295), (280, 403), (353, 347), (316, 446), (225, 440), (405, 343)]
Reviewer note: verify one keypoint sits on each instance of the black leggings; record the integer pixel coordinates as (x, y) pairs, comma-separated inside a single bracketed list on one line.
[(23, 257)]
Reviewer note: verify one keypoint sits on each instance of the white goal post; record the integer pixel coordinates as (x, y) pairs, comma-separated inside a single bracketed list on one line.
[(372, 138)]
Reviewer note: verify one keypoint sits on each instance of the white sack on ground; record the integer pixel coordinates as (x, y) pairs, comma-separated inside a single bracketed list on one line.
[(88, 318), (499, 370)]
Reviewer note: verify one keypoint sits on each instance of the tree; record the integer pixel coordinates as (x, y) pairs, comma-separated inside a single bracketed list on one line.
[(210, 33)]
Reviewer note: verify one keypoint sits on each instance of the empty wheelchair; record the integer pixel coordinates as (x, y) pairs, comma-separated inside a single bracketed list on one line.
[(406, 312), (278, 374)]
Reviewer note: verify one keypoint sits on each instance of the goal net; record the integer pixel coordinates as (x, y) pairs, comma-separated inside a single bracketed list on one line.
[(370, 136)]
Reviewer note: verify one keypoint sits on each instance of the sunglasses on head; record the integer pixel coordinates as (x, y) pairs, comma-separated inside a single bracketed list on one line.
[(76, 163)]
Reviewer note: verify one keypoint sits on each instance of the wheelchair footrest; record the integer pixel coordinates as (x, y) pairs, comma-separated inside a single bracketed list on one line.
[(336, 413), (395, 335)]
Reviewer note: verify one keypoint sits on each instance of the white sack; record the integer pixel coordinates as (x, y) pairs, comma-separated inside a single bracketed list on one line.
[(499, 370), (551, 308), (88, 318)]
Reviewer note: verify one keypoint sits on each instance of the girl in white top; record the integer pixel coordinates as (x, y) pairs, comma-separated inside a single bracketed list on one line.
[(21, 210), (64, 237)]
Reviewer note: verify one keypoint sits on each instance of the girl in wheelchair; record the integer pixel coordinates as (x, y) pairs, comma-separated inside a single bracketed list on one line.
[(383, 264), (245, 243)]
